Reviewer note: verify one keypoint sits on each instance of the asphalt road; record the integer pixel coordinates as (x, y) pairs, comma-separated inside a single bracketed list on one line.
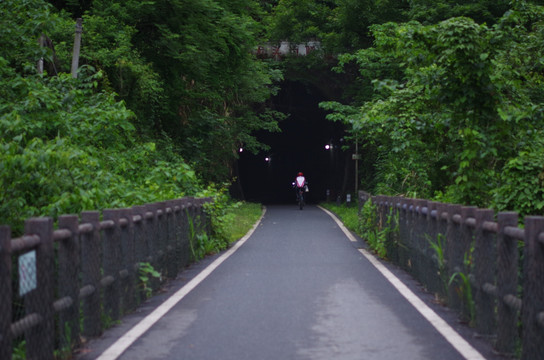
[(297, 288)]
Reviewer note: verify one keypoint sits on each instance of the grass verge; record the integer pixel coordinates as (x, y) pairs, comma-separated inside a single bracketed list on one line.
[(241, 219), (348, 214)]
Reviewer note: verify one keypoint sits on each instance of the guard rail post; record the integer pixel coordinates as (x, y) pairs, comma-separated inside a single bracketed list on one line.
[(466, 246), (172, 263), (153, 242), (128, 261), (161, 238), (454, 255), (90, 267), (434, 251), (185, 251), (5, 293), (404, 231), (533, 289), (40, 339), (414, 239), (68, 282), (507, 282), (443, 219), (393, 242), (485, 267), (409, 236), (420, 227), (111, 264), (140, 248)]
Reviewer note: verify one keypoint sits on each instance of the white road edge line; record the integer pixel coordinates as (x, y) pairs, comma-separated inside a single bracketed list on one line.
[(124, 342), (456, 340)]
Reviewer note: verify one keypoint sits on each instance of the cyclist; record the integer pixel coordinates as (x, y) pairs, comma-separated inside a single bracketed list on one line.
[(300, 181), (300, 185)]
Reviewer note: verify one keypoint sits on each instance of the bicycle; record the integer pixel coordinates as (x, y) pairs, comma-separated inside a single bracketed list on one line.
[(300, 197)]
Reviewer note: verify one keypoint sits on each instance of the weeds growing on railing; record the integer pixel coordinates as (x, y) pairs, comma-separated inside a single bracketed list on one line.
[(375, 229), (19, 351), (200, 243), (64, 352), (146, 271), (438, 247), (465, 293), (464, 288)]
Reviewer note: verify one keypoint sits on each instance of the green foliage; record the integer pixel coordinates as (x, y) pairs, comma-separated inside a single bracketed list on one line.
[(433, 11), (438, 246), (298, 21), (19, 351), (453, 111), (67, 148), (240, 218), (220, 212), (348, 214), (146, 272), (107, 138), (522, 182), (463, 287), (199, 242), (465, 292), (202, 53), (341, 25), (21, 25), (375, 229), (184, 68), (229, 221)]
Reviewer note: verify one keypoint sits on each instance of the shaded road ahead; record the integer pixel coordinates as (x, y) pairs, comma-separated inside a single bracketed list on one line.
[(297, 288)]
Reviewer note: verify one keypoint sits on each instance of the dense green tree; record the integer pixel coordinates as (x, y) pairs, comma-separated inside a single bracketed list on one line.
[(434, 11), (341, 25), (66, 144), (456, 109), (209, 84)]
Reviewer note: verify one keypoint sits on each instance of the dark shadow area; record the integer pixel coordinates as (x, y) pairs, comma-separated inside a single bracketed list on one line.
[(301, 146)]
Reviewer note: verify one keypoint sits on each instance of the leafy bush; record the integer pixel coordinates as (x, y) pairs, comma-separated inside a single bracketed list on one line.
[(455, 109), (66, 147), (522, 180)]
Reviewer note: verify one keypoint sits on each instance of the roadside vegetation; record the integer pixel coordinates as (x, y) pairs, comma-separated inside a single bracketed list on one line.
[(364, 223), (241, 218), (349, 215), (230, 221), (444, 98), (161, 104)]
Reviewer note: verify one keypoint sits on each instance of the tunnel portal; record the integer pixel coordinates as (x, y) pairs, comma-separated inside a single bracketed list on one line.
[(308, 143)]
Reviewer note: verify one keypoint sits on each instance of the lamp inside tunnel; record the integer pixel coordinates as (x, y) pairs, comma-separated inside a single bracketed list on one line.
[(299, 147)]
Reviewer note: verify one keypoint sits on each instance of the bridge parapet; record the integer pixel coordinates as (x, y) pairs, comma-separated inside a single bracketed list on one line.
[(88, 271), (471, 259)]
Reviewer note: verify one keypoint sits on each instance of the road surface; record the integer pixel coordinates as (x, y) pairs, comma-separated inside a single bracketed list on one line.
[(297, 288)]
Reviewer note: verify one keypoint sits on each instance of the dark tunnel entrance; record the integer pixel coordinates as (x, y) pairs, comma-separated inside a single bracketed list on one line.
[(300, 146)]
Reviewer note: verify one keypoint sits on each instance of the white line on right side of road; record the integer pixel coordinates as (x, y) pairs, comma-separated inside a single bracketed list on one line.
[(456, 340)]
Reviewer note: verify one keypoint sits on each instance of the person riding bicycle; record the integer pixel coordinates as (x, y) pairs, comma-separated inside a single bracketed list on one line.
[(300, 180), (300, 183)]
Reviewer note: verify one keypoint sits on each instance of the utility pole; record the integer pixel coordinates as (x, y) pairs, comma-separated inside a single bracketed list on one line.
[(77, 47), (356, 166), (41, 41), (356, 157)]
